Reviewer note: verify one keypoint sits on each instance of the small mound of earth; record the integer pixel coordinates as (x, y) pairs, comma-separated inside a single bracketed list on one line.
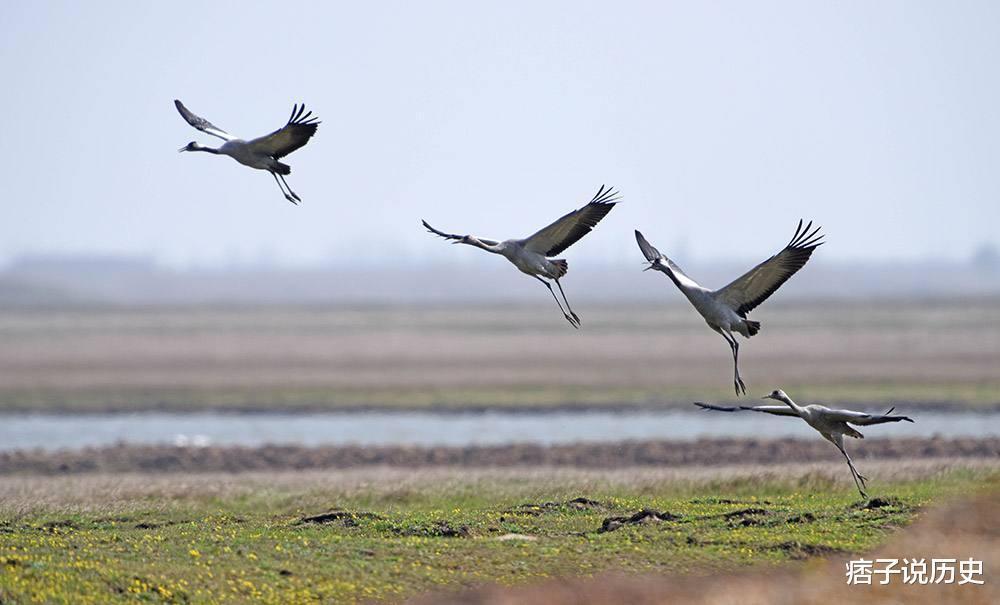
[(530, 508), (643, 517), (345, 517), (437, 529), (746, 516), (877, 502)]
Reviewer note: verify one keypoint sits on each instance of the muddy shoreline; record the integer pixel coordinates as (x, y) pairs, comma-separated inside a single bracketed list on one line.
[(704, 452)]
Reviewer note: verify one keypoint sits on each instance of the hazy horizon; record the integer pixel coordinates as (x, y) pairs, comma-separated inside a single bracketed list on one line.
[(55, 281)]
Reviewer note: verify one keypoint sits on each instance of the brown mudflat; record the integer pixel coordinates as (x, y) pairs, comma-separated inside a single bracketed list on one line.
[(629, 454)]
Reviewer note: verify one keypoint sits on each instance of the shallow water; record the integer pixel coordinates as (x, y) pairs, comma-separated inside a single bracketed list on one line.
[(49, 431)]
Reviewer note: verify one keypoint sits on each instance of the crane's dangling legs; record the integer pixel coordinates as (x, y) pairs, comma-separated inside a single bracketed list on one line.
[(566, 315), (567, 302), (295, 195), (735, 347), (859, 479), (287, 197)]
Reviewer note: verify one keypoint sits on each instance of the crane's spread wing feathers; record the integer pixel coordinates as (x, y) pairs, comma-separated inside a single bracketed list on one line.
[(757, 284), (293, 135), (566, 231), (717, 408), (777, 410), (456, 238), (864, 419), (201, 123), (657, 259)]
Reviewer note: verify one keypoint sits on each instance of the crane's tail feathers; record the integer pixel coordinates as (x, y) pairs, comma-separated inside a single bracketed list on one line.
[(283, 169), (850, 432), (752, 326), (561, 266)]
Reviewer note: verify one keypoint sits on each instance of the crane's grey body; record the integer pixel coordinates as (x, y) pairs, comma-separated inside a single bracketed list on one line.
[(831, 423), (263, 152), (239, 150), (528, 261), (532, 255), (725, 310)]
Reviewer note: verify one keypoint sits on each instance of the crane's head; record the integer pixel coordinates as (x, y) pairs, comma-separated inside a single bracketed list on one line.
[(192, 146), (776, 394)]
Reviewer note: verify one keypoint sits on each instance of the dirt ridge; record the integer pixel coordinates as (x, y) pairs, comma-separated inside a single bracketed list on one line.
[(702, 452)]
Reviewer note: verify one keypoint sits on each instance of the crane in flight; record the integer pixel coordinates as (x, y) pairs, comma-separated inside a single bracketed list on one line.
[(263, 152), (533, 254), (725, 310), (832, 424)]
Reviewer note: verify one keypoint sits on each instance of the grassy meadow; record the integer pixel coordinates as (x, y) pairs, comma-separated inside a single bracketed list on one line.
[(387, 535)]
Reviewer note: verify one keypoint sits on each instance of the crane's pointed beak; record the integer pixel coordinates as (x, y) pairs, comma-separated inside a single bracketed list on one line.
[(184, 148), (767, 397)]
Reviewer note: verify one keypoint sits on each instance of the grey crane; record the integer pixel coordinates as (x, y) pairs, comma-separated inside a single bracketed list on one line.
[(832, 424), (532, 255), (725, 310), (263, 152)]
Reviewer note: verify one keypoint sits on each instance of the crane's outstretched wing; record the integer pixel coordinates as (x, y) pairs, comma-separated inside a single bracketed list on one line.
[(457, 238), (201, 123), (566, 231), (657, 259), (753, 287), (296, 133), (777, 410), (863, 419), (717, 408)]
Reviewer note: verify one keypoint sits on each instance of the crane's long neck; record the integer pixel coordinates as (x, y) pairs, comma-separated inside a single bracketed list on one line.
[(795, 407), (670, 273), (663, 266), (207, 149)]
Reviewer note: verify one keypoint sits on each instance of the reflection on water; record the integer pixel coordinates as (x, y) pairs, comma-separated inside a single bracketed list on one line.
[(419, 428)]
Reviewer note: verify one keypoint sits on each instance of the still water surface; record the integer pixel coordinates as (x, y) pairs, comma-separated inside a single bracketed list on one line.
[(421, 428)]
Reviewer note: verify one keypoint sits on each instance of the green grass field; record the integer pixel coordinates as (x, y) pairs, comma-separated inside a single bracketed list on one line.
[(100, 539)]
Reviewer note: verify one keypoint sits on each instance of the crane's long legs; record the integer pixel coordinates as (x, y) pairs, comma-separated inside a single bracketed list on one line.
[(736, 365), (735, 347), (287, 197), (552, 292), (295, 195), (859, 479), (567, 302)]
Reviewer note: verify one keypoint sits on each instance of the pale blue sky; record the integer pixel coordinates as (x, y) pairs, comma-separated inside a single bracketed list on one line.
[(721, 123)]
